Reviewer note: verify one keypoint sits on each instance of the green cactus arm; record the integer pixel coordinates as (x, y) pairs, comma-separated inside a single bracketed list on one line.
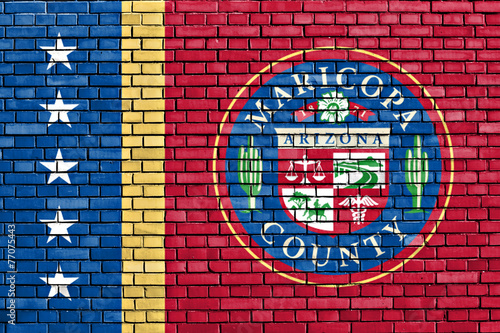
[(257, 169), (416, 141), (425, 168), (240, 165), (408, 167)]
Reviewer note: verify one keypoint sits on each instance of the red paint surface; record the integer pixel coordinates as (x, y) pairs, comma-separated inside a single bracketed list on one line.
[(213, 285)]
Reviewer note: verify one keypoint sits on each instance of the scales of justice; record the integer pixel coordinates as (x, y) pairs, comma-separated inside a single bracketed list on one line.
[(318, 174)]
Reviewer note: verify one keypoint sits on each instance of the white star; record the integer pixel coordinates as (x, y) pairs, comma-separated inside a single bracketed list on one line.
[(58, 284), (59, 168), (59, 53), (59, 226), (59, 110)]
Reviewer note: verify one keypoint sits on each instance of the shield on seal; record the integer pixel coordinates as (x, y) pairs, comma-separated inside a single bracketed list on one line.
[(333, 180)]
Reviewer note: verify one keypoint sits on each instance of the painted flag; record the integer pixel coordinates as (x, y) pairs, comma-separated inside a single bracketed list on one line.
[(331, 166), (81, 160), (248, 166)]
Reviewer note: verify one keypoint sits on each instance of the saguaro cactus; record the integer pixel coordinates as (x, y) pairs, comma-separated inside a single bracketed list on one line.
[(250, 172), (416, 172)]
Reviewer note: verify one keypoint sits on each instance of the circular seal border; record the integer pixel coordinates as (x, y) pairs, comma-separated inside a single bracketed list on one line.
[(302, 277)]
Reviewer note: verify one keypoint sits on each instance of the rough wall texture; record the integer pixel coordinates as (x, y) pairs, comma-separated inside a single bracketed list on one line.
[(60, 124), (215, 48), (81, 160), (143, 178)]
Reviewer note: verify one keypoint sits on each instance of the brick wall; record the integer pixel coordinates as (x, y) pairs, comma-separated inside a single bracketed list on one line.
[(60, 125), (82, 144), (214, 49), (143, 177)]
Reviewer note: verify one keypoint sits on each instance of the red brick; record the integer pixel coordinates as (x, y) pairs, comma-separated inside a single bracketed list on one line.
[(281, 18), (238, 56), (192, 19), (197, 316), (281, 6), (454, 252), (328, 327), (241, 327), (192, 328), (371, 303), (490, 201), (349, 292), (457, 327), (238, 19), (455, 55), (325, 31), (198, 303), (198, 254), (409, 6), (328, 292), (414, 278), (218, 317), (280, 31), (457, 302), (487, 32), (195, 31), (453, 19), (303, 18), (285, 303), (235, 279), (240, 303), (196, 80), (262, 316), (404, 55), (414, 303), (414, 327), (491, 326), (453, 31), (285, 327), (239, 6), (327, 303), (324, 6), (370, 327), (457, 315), (368, 30), (194, 7), (371, 315), (488, 55), (452, 7), (239, 31), (366, 6), (350, 315), (490, 252), (284, 316), (454, 79), (487, 7), (191, 105), (325, 315), (411, 30), (345, 18)]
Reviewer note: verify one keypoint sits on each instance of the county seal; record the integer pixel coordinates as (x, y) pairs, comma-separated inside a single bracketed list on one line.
[(334, 167)]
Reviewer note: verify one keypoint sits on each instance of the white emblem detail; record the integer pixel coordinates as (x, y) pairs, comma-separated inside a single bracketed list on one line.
[(59, 168), (318, 175), (334, 107), (58, 284), (58, 226), (59, 110), (358, 207), (59, 53)]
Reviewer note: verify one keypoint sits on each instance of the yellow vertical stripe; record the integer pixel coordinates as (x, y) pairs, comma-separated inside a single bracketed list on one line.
[(143, 155)]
